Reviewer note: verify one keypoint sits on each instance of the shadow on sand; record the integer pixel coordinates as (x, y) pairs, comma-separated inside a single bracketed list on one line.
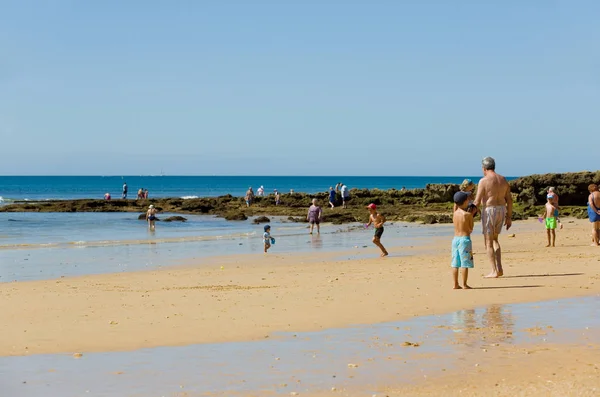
[(545, 275), (510, 286)]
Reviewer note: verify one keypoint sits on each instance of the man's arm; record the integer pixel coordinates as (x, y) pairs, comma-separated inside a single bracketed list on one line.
[(480, 192), (509, 206)]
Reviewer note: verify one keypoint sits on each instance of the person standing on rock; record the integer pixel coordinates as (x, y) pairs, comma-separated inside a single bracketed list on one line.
[(594, 213), (249, 196), (124, 190), (277, 197), (495, 201), (260, 191), (314, 216), (345, 195)]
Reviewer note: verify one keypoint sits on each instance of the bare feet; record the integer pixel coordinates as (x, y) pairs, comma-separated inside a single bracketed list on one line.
[(466, 287), (457, 287), (384, 254), (547, 245), (491, 275)]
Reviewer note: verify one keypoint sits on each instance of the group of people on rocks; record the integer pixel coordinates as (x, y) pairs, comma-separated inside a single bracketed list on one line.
[(142, 193)]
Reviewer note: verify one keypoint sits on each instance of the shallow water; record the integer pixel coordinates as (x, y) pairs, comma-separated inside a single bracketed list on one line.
[(50, 245), (306, 362)]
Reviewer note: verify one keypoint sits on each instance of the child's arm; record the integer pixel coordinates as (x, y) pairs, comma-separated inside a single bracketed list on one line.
[(370, 221), (470, 222)]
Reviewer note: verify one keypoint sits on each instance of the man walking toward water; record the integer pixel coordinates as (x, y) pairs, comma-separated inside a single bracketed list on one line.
[(493, 196)]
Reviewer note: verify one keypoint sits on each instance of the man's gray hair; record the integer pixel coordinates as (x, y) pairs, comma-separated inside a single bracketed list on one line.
[(488, 164), (551, 189)]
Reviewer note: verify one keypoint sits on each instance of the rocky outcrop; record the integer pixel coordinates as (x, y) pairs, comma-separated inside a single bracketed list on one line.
[(432, 204), (571, 187), (261, 219), (175, 218), (235, 216)]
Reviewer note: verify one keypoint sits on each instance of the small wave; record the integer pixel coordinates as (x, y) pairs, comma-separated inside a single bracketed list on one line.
[(189, 197)]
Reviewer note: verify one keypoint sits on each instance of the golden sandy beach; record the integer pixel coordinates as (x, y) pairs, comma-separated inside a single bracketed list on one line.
[(250, 297)]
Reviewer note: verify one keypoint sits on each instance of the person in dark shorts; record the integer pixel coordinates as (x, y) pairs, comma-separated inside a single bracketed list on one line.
[(314, 216), (377, 220)]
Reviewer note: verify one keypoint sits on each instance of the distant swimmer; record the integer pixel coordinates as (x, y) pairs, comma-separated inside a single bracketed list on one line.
[(495, 201), (124, 190), (314, 216), (377, 220), (151, 217), (106, 196)]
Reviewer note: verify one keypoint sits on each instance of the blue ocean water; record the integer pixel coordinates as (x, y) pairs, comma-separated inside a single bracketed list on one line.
[(79, 187)]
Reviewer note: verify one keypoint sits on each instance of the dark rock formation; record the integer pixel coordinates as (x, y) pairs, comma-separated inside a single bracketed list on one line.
[(261, 219), (175, 218), (571, 187), (235, 216), (433, 204)]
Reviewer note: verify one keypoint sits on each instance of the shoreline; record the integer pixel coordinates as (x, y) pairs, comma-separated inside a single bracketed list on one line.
[(255, 295)]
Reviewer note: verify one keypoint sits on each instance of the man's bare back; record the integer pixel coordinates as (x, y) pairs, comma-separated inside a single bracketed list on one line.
[(492, 190)]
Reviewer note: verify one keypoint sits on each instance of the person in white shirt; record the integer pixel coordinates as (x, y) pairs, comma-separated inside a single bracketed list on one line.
[(345, 195)]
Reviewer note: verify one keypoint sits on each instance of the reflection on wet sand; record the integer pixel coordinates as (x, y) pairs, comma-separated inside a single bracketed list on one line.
[(472, 327), (360, 358)]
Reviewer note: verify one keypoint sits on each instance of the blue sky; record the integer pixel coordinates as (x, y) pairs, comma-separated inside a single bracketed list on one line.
[(298, 88)]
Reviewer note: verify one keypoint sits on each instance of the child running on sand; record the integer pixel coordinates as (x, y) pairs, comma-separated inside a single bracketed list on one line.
[(550, 217), (267, 239), (377, 220), (462, 247)]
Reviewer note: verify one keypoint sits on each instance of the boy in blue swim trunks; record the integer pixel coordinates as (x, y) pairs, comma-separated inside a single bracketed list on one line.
[(462, 248)]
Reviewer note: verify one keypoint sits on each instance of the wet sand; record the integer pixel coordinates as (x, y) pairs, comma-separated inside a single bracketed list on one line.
[(253, 296), (444, 355)]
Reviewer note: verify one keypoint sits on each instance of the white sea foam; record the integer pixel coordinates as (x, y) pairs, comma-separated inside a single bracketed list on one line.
[(189, 197)]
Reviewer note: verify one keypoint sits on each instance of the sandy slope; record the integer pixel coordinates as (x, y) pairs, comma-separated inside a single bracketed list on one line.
[(255, 295)]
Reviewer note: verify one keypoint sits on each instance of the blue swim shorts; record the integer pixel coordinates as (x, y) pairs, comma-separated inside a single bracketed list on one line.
[(462, 252)]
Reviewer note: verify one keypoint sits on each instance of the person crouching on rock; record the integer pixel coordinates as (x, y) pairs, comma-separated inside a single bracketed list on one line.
[(377, 220)]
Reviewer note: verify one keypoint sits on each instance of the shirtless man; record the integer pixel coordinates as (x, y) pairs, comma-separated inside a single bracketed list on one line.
[(495, 201)]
